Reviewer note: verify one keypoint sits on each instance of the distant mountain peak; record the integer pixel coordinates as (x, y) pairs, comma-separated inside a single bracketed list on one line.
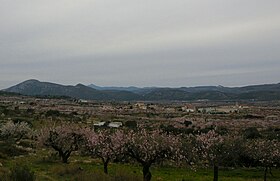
[(31, 81), (80, 85)]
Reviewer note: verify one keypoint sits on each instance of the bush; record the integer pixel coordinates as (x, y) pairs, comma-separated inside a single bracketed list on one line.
[(131, 124), (52, 113), (66, 170), (251, 133), (21, 173), (187, 123)]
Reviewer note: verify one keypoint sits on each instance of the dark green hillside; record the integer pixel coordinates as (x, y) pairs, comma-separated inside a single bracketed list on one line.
[(80, 91), (167, 94)]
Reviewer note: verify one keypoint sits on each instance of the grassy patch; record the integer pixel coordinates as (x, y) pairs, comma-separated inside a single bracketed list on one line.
[(47, 167)]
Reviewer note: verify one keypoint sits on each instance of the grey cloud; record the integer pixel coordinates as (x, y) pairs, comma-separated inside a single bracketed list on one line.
[(143, 43)]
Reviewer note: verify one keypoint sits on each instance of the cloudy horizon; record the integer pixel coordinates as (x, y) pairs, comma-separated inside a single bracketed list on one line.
[(175, 43)]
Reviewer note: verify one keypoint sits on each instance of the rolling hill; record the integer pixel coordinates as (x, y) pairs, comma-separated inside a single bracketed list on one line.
[(92, 92), (80, 91)]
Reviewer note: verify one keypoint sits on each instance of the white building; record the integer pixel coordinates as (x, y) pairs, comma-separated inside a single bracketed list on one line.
[(115, 124)]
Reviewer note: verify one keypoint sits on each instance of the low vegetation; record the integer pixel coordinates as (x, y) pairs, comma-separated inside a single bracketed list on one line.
[(54, 145)]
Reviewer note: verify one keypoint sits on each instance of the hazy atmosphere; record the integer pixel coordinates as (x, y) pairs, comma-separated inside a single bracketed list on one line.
[(140, 43)]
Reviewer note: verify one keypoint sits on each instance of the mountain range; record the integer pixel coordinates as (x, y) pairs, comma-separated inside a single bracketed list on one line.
[(92, 92)]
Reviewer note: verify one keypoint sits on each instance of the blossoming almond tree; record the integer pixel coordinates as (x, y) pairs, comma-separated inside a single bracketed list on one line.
[(266, 152), (14, 132), (149, 147), (64, 139), (188, 151), (211, 149), (106, 146)]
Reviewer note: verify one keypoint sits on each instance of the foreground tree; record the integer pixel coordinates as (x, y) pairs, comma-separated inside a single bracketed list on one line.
[(64, 139), (188, 151), (149, 147), (106, 146), (265, 152), (211, 147)]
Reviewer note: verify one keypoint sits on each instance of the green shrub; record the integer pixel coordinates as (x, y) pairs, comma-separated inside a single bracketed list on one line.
[(21, 173), (66, 170), (131, 124), (252, 133)]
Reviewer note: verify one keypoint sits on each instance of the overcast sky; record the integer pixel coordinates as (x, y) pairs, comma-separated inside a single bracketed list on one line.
[(140, 42)]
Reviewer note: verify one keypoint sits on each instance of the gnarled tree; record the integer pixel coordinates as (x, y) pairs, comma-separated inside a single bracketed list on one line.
[(149, 147), (265, 152), (211, 149), (106, 145), (14, 132), (64, 139)]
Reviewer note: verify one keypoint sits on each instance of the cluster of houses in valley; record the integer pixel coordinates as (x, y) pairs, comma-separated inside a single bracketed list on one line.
[(219, 110), (189, 108), (91, 107), (192, 108), (91, 112)]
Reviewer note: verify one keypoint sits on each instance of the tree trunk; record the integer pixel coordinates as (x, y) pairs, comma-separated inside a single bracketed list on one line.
[(265, 173), (270, 171), (147, 176), (216, 171), (105, 166), (64, 156)]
